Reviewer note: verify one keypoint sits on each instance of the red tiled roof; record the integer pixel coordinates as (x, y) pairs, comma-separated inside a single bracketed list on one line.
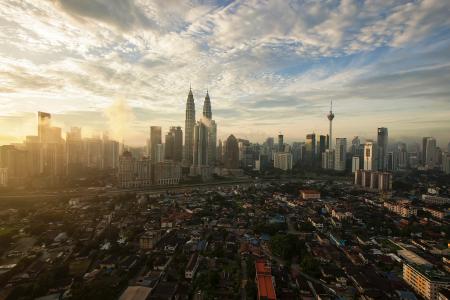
[(264, 280), (266, 289), (262, 267), (309, 192)]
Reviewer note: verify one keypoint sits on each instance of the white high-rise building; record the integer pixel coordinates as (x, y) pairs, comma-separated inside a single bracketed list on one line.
[(283, 161), (340, 154), (159, 153), (328, 159), (355, 164), (370, 156), (200, 153), (167, 173), (133, 173)]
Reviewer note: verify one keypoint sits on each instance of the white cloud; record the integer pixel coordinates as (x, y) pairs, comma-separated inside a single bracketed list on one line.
[(67, 55)]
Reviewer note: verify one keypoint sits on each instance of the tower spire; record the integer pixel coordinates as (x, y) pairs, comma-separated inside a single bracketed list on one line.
[(330, 117), (207, 107)]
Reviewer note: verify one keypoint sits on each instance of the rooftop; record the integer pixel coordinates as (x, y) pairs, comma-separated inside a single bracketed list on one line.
[(413, 258), (265, 287), (136, 293)]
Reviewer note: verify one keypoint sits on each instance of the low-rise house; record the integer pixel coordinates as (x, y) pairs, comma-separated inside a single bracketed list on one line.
[(309, 194), (149, 239)]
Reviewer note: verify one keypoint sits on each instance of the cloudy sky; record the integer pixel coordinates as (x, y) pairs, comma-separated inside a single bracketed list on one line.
[(270, 66)]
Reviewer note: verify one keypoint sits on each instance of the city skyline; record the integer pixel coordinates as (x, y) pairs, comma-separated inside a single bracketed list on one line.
[(224, 149), (382, 64), (143, 143)]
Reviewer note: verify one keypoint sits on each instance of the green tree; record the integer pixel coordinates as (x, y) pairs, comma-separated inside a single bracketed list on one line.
[(287, 246)]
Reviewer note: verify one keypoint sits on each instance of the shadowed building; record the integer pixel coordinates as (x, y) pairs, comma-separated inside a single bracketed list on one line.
[(174, 144), (155, 139), (310, 147), (382, 142), (340, 154), (231, 153)]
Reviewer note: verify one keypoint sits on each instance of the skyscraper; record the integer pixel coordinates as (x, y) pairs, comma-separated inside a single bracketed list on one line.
[(200, 164), (340, 154), (132, 172), (212, 130), (310, 147), (168, 146), (174, 144), (355, 164), (356, 142), (382, 143), (280, 143), (429, 152), (328, 159), (207, 113), (110, 153), (155, 139), (231, 153), (74, 151), (93, 152), (200, 150), (44, 123), (267, 148), (51, 147), (212, 143), (322, 145), (14, 162), (370, 156), (159, 153), (189, 129), (446, 162), (424, 149), (204, 142), (391, 161), (402, 156), (33, 147), (283, 161), (219, 155), (178, 143), (330, 117), (297, 152)]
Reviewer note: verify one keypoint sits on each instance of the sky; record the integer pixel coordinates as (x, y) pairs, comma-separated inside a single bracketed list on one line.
[(270, 66)]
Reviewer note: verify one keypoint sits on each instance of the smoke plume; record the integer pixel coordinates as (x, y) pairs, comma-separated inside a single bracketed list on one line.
[(120, 115)]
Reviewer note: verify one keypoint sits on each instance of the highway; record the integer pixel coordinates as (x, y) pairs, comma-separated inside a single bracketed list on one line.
[(99, 191)]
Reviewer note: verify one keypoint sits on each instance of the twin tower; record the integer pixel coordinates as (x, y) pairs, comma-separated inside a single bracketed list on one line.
[(200, 138)]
